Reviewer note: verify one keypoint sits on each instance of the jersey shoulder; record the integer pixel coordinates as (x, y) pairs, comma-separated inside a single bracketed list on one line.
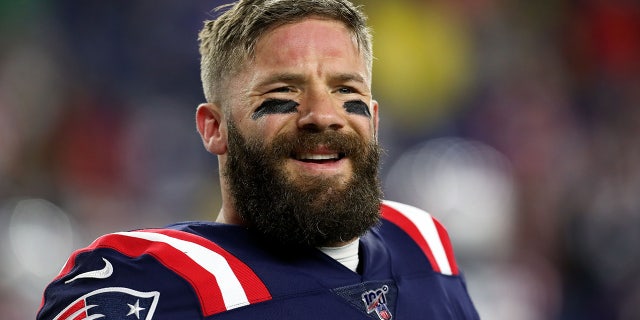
[(151, 264), (426, 232)]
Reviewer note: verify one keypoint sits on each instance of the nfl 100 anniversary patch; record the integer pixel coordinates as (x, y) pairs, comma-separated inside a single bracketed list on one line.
[(376, 299)]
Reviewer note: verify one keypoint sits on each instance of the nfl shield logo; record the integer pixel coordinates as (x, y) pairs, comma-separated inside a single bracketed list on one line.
[(112, 303)]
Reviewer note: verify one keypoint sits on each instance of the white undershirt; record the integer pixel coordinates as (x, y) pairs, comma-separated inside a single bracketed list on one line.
[(347, 254)]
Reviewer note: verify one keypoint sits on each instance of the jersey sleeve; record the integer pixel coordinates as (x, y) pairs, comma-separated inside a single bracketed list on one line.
[(169, 273)]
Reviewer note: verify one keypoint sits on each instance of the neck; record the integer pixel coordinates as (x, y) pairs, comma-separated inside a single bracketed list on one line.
[(346, 254), (229, 216)]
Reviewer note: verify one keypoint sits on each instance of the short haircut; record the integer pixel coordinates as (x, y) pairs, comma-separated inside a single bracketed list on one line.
[(228, 42)]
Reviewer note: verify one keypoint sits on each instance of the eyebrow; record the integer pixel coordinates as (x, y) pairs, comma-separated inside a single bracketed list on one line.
[(287, 77), (346, 77)]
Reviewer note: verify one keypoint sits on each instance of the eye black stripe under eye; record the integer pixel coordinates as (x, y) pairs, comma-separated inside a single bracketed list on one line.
[(357, 107), (273, 106)]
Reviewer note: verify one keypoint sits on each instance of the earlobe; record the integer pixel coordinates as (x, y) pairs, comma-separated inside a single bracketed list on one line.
[(212, 128)]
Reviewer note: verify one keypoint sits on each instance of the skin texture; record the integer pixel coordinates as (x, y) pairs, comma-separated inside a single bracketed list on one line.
[(316, 64)]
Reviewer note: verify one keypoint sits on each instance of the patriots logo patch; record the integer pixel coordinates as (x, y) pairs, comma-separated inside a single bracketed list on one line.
[(112, 303)]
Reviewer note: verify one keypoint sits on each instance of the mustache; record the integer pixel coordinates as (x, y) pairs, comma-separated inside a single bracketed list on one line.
[(346, 144)]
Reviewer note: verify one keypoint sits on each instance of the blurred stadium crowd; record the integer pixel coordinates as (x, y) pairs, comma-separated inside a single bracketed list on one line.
[(515, 122)]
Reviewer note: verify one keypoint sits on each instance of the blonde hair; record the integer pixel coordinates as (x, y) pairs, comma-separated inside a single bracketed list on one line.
[(228, 42)]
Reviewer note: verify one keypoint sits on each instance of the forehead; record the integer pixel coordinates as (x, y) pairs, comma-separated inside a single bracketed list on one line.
[(309, 38)]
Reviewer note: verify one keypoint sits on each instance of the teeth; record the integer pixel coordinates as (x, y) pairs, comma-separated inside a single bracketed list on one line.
[(311, 156)]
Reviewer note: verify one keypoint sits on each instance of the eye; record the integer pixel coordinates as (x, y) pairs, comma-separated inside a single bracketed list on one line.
[(282, 89), (346, 90)]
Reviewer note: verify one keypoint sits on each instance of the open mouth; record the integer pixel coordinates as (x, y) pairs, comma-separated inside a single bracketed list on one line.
[(319, 157)]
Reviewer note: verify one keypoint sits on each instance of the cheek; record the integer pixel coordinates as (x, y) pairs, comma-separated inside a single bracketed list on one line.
[(268, 127), (364, 127)]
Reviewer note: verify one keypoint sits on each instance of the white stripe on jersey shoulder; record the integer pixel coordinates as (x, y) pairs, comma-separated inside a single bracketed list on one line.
[(427, 227), (233, 294)]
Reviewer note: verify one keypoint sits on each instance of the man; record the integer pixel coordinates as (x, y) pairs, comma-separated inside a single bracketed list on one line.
[(291, 118)]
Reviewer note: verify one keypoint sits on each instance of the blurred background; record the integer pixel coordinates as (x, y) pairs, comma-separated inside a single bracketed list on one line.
[(513, 122)]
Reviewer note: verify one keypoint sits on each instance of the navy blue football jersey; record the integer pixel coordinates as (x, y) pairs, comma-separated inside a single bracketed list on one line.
[(206, 270)]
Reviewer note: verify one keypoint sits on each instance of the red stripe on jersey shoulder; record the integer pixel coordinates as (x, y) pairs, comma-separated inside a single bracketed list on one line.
[(400, 220), (203, 282), (448, 247), (409, 225), (254, 288)]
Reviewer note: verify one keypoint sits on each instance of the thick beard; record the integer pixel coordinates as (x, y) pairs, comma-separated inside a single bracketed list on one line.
[(309, 212)]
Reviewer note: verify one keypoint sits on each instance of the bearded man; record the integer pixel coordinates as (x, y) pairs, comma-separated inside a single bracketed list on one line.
[(302, 232)]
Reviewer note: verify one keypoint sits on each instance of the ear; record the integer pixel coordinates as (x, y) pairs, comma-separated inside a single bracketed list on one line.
[(212, 128), (375, 119)]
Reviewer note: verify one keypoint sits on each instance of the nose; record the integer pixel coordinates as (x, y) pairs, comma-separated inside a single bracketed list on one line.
[(319, 112)]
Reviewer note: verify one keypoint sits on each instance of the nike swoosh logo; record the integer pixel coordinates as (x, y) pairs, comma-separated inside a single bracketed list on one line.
[(95, 274)]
